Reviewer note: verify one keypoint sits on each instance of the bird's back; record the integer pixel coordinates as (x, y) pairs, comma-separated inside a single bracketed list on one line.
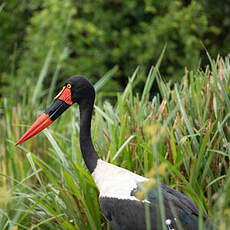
[(124, 211)]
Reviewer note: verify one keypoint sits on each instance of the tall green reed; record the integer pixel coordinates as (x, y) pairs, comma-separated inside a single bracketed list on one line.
[(48, 184)]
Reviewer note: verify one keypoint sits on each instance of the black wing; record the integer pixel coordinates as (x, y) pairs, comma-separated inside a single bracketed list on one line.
[(128, 214), (178, 208), (174, 198)]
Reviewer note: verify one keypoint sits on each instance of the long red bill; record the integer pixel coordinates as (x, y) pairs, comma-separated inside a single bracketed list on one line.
[(41, 123), (60, 103)]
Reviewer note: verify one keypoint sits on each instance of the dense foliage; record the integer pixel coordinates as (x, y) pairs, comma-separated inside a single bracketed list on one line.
[(44, 183), (90, 37)]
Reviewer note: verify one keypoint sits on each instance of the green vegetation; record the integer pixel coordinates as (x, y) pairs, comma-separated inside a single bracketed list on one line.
[(90, 37), (182, 131), (45, 184)]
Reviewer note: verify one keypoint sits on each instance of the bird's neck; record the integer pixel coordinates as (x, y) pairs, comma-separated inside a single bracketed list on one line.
[(89, 154)]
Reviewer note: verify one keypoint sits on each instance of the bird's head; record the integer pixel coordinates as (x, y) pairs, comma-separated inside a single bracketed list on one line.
[(82, 91), (76, 89)]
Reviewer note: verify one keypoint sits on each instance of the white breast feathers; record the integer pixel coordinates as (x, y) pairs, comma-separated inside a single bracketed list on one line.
[(115, 182)]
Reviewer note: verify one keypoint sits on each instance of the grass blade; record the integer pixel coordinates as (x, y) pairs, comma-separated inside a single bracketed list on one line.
[(42, 75)]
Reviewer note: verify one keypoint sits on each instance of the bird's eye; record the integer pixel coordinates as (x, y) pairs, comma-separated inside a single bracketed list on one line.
[(68, 86)]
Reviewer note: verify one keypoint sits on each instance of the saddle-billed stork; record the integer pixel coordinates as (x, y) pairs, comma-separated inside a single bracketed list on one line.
[(117, 186)]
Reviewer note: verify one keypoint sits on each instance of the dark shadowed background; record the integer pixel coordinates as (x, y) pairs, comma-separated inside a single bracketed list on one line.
[(91, 37)]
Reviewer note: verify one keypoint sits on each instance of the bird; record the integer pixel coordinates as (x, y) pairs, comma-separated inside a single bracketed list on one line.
[(118, 187)]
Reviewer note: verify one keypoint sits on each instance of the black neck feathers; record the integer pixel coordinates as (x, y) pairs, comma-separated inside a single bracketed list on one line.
[(89, 154)]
